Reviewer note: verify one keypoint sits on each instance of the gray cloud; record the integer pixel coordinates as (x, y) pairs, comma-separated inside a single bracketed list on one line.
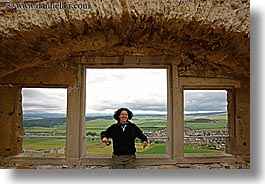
[(39, 106), (205, 100), (43, 100), (143, 97), (137, 89), (139, 105), (194, 101), (29, 93)]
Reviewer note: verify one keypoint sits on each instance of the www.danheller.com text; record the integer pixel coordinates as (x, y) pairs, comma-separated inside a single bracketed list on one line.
[(59, 5)]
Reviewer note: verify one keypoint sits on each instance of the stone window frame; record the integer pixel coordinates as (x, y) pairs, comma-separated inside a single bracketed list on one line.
[(137, 67), (146, 158), (175, 111), (76, 91), (192, 83), (46, 87), (226, 137)]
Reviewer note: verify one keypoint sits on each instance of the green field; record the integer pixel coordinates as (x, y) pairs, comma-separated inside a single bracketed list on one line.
[(96, 147), (205, 126), (95, 126), (43, 143)]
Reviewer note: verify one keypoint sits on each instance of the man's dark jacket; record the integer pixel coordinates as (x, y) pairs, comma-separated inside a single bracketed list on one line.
[(123, 141)]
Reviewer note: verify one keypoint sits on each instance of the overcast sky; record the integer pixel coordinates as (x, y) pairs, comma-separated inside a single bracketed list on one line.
[(44, 100), (141, 90), (205, 101)]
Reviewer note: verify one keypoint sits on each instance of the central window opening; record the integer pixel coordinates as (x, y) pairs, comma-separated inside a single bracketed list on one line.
[(143, 91)]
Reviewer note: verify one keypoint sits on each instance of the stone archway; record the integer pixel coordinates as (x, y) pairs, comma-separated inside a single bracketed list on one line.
[(211, 37)]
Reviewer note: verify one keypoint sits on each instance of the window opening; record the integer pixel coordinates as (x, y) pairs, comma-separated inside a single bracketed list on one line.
[(205, 122), (143, 91), (44, 121)]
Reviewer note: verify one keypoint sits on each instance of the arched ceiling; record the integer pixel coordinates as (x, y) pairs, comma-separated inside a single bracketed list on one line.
[(205, 32)]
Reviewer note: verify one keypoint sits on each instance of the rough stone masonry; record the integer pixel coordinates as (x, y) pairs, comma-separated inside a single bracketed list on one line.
[(211, 37), (48, 43)]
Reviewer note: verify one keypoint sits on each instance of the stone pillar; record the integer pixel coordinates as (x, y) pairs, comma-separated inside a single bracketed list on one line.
[(75, 141), (178, 125), (231, 125), (10, 120), (178, 116), (242, 110)]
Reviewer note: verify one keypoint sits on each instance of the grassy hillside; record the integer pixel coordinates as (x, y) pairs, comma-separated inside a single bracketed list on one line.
[(96, 125)]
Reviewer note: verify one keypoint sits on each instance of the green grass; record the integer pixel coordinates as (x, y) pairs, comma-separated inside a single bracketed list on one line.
[(153, 123), (188, 149), (96, 147), (153, 149), (39, 144), (206, 126), (99, 123)]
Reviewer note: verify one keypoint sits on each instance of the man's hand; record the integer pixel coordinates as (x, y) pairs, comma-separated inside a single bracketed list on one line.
[(144, 143)]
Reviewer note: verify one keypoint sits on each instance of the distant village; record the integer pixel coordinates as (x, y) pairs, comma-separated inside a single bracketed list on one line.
[(194, 138), (207, 139)]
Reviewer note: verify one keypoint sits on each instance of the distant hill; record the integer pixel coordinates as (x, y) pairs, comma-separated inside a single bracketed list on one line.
[(201, 120), (53, 119), (204, 113), (29, 116), (44, 122)]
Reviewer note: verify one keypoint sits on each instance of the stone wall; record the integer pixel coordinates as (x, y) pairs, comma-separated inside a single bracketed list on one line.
[(49, 48), (10, 120), (214, 165), (212, 37)]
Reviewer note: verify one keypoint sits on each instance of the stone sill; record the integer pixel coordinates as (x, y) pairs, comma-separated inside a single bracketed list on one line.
[(143, 161)]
